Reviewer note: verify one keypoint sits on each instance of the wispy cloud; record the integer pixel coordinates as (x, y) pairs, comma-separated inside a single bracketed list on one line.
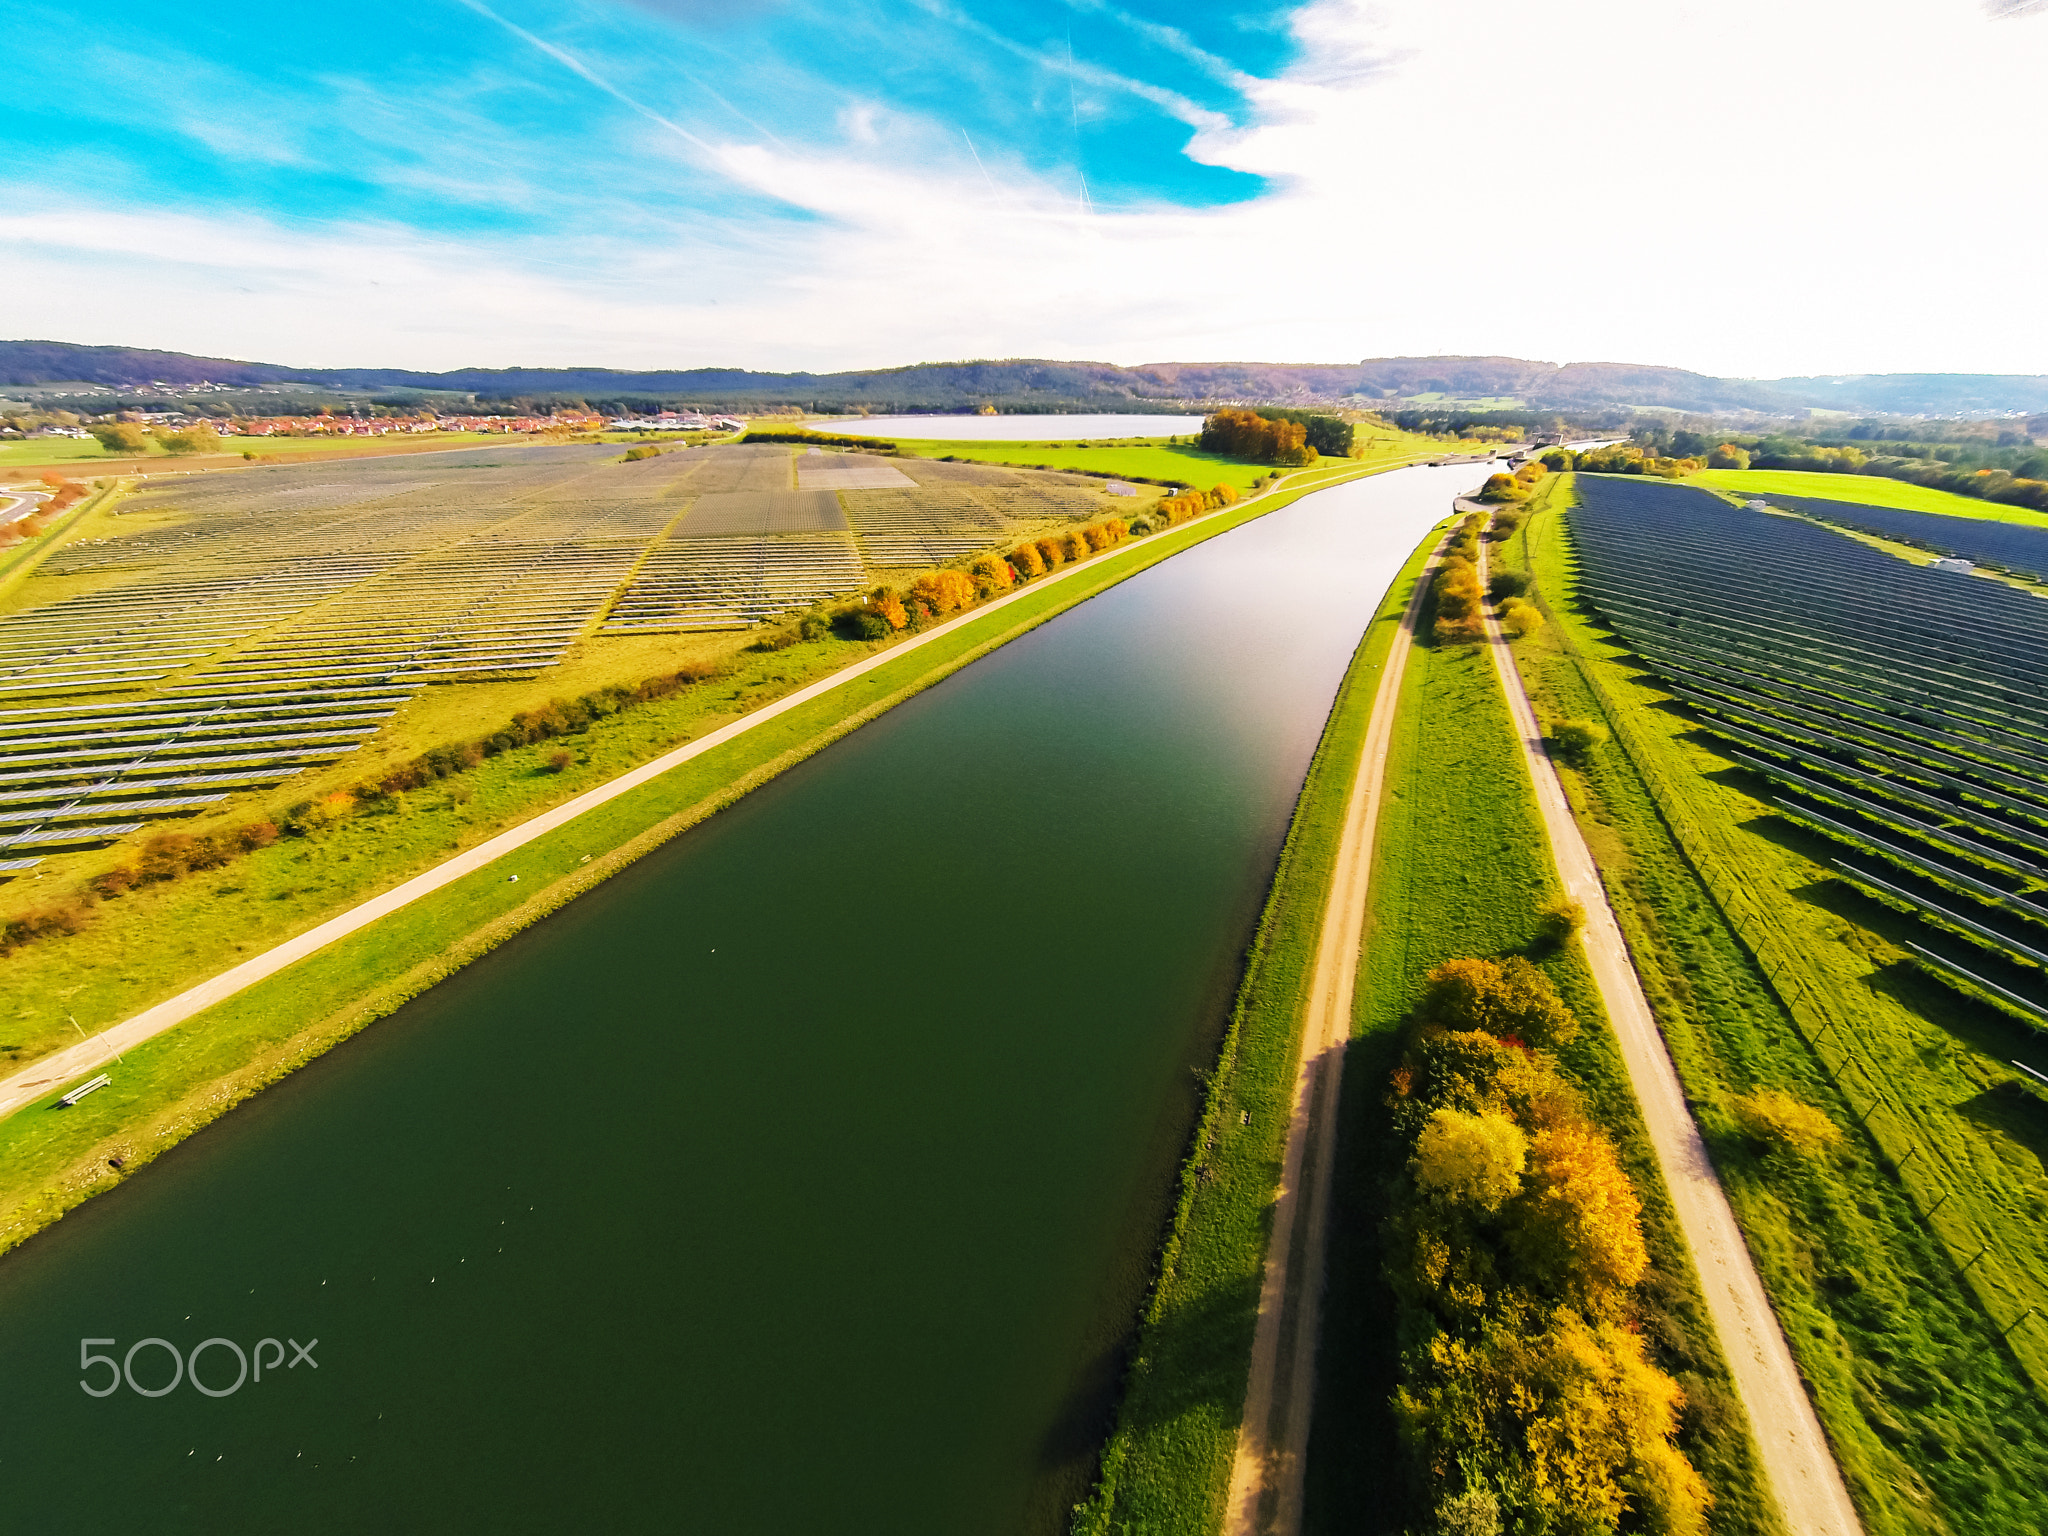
[(1433, 187)]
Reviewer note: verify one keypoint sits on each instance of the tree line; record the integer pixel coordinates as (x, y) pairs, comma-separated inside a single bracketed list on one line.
[(1527, 1398)]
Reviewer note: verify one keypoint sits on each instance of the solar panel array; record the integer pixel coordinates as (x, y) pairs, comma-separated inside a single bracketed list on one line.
[(269, 620), (1897, 709), (2018, 547)]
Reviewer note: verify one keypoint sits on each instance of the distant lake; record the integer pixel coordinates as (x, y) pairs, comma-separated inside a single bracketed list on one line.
[(1018, 429)]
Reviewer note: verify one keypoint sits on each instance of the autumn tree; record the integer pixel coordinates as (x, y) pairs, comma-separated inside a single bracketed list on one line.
[(991, 574), (1728, 456), (942, 591), (889, 605), (1027, 560), (1576, 1229), (1470, 1159), (1509, 998)]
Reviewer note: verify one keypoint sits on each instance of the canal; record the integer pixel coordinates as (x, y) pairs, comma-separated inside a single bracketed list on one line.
[(802, 1178)]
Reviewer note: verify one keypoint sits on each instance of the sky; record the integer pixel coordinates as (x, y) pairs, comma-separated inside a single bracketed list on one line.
[(1753, 187)]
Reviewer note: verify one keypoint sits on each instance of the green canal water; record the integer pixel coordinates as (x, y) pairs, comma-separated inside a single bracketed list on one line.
[(802, 1179)]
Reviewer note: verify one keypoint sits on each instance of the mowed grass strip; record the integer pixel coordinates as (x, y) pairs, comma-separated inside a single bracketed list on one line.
[(1904, 1269), (185, 931), (1868, 490), (1166, 1469), (1461, 868)]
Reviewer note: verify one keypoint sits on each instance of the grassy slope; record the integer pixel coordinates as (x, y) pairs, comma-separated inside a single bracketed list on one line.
[(1869, 490), (1749, 952), (182, 932), (1155, 461), (1167, 1465), (1461, 867)]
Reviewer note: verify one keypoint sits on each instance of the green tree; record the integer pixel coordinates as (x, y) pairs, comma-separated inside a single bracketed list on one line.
[(120, 437)]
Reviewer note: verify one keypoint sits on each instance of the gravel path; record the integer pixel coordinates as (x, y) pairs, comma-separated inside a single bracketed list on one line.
[(1267, 1477), (1796, 1459)]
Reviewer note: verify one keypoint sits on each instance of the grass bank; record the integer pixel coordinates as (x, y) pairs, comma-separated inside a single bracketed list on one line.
[(1461, 867), (1868, 490), (180, 1080), (1906, 1270), (1166, 1469)]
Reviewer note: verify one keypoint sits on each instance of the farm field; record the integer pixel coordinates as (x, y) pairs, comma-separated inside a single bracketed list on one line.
[(219, 636), (88, 456), (1763, 771), (1461, 869), (1870, 490)]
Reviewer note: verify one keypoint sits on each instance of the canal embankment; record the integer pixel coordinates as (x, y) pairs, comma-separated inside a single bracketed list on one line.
[(188, 1058)]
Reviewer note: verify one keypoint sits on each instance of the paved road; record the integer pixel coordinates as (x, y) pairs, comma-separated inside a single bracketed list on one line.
[(1796, 1459), (1266, 1481)]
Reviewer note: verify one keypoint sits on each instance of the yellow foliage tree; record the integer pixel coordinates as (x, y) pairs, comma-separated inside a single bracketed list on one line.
[(1470, 1159), (1577, 1225), (890, 607), (1027, 560), (943, 591)]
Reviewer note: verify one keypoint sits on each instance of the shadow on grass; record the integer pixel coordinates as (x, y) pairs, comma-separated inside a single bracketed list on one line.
[(1357, 1483)]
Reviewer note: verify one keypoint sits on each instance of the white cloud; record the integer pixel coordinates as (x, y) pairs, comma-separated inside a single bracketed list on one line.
[(1759, 188)]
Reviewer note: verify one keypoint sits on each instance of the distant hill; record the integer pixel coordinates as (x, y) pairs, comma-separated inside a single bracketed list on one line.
[(1028, 383)]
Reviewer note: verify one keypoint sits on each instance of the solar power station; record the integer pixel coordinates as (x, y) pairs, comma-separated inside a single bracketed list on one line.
[(269, 620), (1895, 710)]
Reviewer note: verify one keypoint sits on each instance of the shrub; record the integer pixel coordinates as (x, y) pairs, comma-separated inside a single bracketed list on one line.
[(557, 761), (1502, 488), (1520, 618), (634, 455), (1577, 740), (885, 603), (1507, 584), (1784, 1124), (861, 624), (1560, 918), (43, 923), (1507, 999), (1728, 456)]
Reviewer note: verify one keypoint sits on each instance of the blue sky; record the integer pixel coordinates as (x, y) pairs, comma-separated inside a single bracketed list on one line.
[(444, 182)]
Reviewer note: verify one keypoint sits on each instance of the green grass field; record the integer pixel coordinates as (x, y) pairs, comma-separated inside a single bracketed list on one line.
[(1461, 867), (1870, 490), (1167, 1466), (150, 944), (1906, 1270), (1159, 460)]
